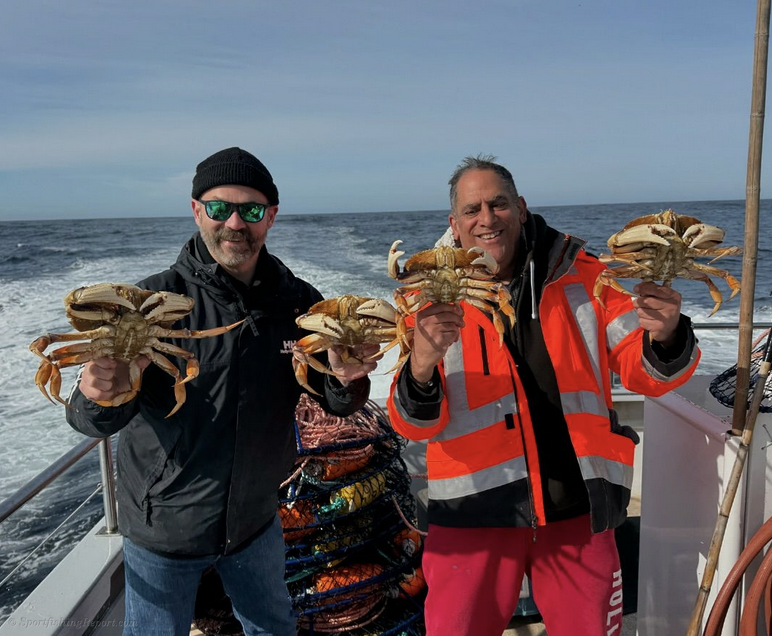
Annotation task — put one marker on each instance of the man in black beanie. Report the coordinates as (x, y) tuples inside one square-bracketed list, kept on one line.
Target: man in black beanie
[(199, 488)]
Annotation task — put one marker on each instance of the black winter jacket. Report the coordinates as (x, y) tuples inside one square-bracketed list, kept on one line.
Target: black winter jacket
[(205, 480)]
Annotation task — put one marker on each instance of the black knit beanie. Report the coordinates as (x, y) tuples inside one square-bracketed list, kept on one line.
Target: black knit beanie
[(234, 166)]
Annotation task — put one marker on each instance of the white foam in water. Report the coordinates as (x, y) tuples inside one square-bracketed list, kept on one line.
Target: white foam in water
[(33, 432), (331, 281)]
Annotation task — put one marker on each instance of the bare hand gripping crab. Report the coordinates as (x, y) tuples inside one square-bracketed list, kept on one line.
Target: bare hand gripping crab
[(449, 275), (347, 320), (122, 322), (663, 247)]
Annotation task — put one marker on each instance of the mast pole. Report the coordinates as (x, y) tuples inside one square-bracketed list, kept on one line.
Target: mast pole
[(752, 196), (743, 419)]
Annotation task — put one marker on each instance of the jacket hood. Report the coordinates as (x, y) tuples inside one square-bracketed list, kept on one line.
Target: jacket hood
[(544, 244)]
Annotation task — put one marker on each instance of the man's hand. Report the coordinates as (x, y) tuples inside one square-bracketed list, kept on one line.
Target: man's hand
[(659, 311), (436, 328), (357, 365), (104, 378)]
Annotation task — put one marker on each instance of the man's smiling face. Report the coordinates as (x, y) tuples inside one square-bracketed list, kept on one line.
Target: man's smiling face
[(489, 215)]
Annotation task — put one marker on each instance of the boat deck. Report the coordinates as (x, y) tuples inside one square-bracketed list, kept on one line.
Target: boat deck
[(534, 627)]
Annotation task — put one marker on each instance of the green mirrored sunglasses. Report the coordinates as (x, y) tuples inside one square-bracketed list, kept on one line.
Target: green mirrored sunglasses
[(251, 212)]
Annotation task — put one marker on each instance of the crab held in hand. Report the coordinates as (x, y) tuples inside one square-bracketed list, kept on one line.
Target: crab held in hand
[(661, 247), (122, 322), (451, 275), (349, 321)]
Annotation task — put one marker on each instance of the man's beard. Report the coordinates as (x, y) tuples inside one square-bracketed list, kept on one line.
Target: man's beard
[(237, 253)]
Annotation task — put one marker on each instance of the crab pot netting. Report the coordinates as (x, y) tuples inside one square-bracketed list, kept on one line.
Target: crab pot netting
[(724, 386), (352, 554)]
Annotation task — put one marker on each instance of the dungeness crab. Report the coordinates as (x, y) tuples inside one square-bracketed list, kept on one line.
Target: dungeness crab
[(347, 320), (661, 247), (122, 322), (451, 275)]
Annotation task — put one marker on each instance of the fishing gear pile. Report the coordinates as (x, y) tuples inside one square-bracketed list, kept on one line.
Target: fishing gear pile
[(724, 385), (352, 551)]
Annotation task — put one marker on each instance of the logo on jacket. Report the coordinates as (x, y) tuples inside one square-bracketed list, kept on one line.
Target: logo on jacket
[(288, 344)]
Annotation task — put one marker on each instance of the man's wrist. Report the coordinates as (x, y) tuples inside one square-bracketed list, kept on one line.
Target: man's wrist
[(429, 384), (666, 342), (421, 376), (426, 382)]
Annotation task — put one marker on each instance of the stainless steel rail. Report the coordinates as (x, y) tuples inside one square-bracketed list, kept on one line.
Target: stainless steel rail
[(58, 468), (108, 486), (727, 325), (42, 479)]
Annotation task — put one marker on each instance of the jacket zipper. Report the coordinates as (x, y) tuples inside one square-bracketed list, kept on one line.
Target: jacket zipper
[(510, 424), (239, 300), (242, 308), (148, 511), (484, 351), (531, 504)]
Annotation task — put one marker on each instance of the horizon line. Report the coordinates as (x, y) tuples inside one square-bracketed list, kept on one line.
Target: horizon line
[(425, 211)]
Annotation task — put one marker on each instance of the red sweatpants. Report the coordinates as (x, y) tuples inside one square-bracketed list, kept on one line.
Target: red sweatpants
[(474, 576)]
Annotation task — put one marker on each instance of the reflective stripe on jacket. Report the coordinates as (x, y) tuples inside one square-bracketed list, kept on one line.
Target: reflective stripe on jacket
[(484, 438)]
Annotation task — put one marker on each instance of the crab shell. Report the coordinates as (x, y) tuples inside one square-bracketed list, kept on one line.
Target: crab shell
[(122, 322), (664, 246), (443, 257), (665, 228), (451, 257), (347, 320), (90, 307), (447, 274)]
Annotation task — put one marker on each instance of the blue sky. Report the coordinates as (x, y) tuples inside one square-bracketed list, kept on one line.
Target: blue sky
[(108, 105)]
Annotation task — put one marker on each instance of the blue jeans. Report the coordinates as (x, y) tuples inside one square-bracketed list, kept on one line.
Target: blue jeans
[(161, 590)]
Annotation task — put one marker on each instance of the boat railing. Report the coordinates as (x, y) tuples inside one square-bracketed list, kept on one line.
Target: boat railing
[(43, 479), (29, 490)]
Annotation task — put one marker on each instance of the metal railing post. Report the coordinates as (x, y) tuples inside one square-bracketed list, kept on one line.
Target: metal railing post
[(108, 486), (44, 478)]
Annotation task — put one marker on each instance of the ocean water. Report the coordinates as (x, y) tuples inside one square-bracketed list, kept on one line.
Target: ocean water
[(41, 261)]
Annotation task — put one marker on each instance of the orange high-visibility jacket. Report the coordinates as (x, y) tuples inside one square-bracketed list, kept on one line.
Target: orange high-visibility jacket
[(483, 438)]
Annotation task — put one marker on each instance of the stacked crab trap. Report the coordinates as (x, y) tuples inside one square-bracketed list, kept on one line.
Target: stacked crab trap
[(352, 555), (724, 385), (352, 549)]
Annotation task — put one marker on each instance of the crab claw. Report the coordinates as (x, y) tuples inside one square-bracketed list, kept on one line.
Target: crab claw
[(378, 308), (485, 259), (394, 259), (120, 295), (169, 305), (631, 239), (702, 235)]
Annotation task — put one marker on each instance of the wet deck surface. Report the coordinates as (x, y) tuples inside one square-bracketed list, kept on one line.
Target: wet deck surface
[(534, 627)]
